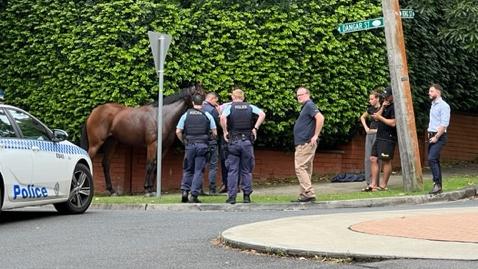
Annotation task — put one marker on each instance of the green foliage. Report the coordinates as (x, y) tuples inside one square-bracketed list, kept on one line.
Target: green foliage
[(434, 59), (460, 17), (60, 59)]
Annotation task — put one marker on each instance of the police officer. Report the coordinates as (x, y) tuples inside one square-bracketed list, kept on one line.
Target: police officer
[(193, 131), (211, 106), (240, 132)]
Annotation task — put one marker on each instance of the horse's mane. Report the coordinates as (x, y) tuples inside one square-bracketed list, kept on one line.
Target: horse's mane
[(175, 97), (182, 94)]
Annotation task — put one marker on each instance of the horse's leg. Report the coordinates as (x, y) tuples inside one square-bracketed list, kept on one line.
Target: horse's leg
[(150, 168), (108, 149)]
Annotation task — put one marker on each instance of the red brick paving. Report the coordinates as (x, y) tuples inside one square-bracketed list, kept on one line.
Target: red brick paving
[(458, 227)]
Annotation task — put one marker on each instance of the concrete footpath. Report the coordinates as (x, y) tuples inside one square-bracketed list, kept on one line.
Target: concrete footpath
[(422, 233)]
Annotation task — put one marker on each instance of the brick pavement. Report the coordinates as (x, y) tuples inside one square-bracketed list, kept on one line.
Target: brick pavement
[(452, 227)]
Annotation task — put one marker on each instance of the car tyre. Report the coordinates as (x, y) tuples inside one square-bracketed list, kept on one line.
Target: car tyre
[(81, 192)]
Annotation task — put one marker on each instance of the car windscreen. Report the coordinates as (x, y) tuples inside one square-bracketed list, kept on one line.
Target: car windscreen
[(6, 128), (30, 127)]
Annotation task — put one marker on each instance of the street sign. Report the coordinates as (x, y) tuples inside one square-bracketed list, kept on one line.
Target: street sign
[(407, 13), (159, 47), (159, 53), (360, 25), (371, 24)]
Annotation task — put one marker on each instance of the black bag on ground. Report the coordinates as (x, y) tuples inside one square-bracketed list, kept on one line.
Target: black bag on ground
[(348, 177)]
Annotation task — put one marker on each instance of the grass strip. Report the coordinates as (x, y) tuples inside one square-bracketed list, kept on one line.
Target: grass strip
[(450, 184)]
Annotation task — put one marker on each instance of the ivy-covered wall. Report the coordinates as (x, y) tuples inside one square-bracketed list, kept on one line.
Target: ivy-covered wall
[(59, 59)]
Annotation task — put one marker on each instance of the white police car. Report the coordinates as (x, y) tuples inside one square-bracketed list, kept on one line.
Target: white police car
[(38, 166)]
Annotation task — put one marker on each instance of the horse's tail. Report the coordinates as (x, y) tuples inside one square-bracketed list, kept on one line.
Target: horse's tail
[(84, 138)]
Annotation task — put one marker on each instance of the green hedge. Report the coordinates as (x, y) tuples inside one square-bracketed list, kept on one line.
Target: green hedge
[(432, 59), (59, 59)]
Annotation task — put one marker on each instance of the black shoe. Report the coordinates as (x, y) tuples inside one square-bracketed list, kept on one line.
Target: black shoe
[(436, 189), (231, 200), (184, 196), (202, 193), (247, 198), (304, 200), (194, 199)]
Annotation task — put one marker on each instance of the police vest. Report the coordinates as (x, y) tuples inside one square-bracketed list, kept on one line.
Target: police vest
[(196, 127), (240, 119)]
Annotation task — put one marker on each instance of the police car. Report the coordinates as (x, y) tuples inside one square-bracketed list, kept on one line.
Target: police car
[(38, 166)]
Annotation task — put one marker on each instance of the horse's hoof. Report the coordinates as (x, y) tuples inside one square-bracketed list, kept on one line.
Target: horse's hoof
[(111, 193), (150, 194)]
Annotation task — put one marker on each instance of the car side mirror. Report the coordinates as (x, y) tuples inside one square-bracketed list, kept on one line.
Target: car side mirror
[(59, 135)]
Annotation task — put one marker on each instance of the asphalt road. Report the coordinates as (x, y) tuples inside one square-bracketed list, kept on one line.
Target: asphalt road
[(40, 238)]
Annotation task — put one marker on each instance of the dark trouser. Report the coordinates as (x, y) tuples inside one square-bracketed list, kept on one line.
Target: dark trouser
[(223, 155), (212, 166), (434, 157), (369, 141), (193, 167), (241, 163)]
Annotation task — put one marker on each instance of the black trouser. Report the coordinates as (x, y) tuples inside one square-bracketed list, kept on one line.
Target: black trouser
[(434, 150), (222, 145)]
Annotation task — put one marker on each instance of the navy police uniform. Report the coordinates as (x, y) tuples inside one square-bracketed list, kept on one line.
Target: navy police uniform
[(196, 126), (240, 158)]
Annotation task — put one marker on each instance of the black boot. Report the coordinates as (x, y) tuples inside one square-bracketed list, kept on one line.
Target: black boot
[(436, 189), (231, 200), (247, 198), (194, 199), (184, 196)]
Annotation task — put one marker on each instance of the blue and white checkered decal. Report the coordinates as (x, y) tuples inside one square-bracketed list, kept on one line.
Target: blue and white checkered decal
[(43, 145)]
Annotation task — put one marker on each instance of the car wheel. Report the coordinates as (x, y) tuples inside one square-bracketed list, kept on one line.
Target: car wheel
[(81, 192)]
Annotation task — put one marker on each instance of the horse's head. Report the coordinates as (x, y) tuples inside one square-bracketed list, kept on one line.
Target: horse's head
[(195, 89), (185, 94)]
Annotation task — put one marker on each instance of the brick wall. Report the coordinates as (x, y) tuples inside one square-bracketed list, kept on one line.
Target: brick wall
[(129, 165), (462, 138)]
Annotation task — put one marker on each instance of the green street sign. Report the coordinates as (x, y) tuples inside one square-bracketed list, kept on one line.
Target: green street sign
[(371, 24), (407, 13), (360, 25)]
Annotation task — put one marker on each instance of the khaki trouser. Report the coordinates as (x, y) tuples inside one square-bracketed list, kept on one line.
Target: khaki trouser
[(303, 160)]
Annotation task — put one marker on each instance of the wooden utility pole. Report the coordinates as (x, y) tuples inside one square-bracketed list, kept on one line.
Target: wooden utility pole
[(406, 129)]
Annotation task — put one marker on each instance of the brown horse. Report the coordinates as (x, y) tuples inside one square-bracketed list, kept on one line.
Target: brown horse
[(111, 123)]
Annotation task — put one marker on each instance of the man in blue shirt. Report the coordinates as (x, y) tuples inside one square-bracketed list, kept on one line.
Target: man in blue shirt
[(437, 136), (306, 138), (193, 131), (240, 132)]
